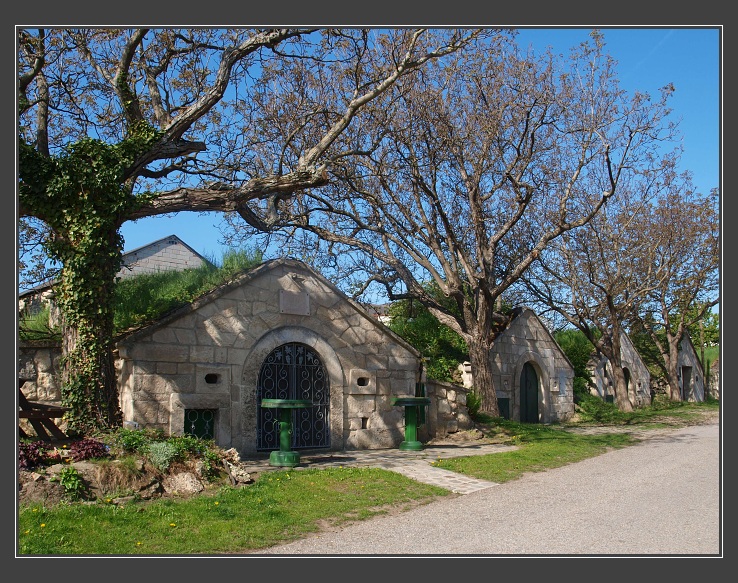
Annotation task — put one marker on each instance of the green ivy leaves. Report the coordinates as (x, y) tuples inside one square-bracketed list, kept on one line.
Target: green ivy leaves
[(83, 196)]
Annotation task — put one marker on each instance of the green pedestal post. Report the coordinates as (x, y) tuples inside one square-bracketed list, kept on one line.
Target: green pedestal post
[(411, 405), (285, 457)]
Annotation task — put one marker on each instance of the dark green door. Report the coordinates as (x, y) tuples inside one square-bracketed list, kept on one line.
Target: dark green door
[(528, 394)]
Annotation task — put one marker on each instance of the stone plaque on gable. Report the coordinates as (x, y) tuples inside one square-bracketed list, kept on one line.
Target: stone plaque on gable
[(297, 303)]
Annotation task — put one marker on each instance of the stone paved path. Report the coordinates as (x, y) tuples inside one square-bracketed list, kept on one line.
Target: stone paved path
[(413, 464)]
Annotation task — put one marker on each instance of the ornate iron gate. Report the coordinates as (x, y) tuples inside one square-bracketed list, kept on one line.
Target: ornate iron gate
[(294, 371)]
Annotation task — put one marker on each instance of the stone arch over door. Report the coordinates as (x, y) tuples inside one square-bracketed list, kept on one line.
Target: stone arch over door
[(538, 364), (246, 411)]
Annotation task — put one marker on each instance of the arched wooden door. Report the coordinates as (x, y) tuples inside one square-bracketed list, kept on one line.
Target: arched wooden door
[(528, 394), (294, 371)]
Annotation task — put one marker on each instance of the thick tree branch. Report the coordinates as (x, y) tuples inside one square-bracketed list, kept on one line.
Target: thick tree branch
[(227, 199)]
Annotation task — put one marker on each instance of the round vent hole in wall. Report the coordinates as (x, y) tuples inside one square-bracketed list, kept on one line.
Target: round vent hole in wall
[(362, 381), (212, 378)]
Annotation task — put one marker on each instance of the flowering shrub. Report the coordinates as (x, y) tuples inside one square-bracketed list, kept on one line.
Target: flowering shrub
[(32, 455), (87, 448)]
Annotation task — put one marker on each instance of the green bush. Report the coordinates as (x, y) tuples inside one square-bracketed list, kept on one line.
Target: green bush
[(36, 327), (473, 403), (442, 348), (594, 409), (162, 454), (189, 445), (133, 440), (578, 350), (581, 389), (72, 482), (211, 467)]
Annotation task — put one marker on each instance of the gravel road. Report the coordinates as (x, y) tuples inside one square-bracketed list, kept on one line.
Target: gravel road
[(659, 497)]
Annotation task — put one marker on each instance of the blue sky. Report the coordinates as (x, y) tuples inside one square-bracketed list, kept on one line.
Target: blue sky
[(648, 58)]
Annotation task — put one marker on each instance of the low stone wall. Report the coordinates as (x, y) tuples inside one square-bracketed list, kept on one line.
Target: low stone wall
[(447, 412), (39, 365)]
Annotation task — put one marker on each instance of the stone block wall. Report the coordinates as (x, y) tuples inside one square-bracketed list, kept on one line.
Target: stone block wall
[(39, 367), (447, 413)]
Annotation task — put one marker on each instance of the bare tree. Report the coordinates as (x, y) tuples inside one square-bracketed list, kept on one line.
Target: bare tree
[(646, 258), (34, 268), (684, 237), (119, 124), (463, 175), (594, 278)]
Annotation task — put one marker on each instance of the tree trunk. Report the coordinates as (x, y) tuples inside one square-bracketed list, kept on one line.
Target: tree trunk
[(85, 295), (702, 343), (622, 394), (481, 365), (611, 349), (89, 382), (675, 393)]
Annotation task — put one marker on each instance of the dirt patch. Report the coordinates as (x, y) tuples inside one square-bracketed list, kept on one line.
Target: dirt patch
[(33, 488), (113, 481), (654, 426), (658, 425)]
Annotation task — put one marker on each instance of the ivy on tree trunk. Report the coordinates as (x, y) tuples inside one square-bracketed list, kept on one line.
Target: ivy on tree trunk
[(84, 199)]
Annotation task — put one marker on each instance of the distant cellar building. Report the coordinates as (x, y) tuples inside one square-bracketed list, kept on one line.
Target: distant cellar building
[(637, 376), (533, 378)]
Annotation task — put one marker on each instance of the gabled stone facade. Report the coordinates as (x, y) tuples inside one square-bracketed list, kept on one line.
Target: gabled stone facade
[(209, 356), (636, 374), (534, 380), (167, 254), (689, 371)]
